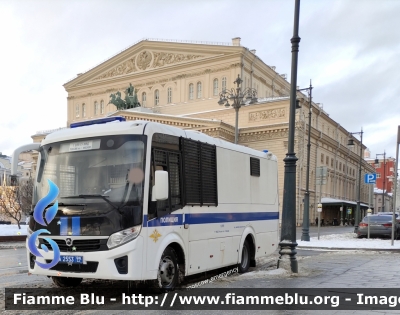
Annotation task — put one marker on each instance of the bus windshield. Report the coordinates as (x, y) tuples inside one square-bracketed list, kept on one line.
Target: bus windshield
[(106, 171)]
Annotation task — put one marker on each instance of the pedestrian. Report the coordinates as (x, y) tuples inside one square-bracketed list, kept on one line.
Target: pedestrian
[(316, 221)]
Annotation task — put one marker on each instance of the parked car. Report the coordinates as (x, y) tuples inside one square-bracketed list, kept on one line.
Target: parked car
[(379, 225), (396, 214)]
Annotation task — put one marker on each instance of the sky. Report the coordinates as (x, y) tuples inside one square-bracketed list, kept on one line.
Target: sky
[(350, 49)]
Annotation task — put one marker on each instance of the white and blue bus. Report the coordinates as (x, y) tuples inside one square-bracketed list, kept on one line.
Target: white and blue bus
[(140, 200)]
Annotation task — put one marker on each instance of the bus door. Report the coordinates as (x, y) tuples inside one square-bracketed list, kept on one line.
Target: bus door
[(165, 216)]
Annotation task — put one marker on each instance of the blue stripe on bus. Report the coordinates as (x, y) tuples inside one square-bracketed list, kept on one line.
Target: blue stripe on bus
[(167, 220), (63, 225), (76, 225), (204, 218)]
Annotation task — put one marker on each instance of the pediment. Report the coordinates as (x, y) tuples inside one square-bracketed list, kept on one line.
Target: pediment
[(147, 59), (147, 56)]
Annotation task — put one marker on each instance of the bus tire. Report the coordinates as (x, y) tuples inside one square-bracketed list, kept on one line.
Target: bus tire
[(245, 262), (168, 271), (63, 282)]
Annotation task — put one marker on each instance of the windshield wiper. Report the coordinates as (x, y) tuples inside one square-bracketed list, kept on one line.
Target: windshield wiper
[(95, 196)]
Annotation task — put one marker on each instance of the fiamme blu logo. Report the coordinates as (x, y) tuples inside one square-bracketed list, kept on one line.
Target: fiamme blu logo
[(49, 216)]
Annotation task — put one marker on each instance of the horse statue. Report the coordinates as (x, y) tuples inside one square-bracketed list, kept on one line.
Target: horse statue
[(130, 101), (131, 98), (117, 101)]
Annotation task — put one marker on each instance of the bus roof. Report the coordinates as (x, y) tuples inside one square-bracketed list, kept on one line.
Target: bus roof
[(147, 128)]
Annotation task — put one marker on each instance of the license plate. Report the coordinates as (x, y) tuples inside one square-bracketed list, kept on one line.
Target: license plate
[(71, 260)]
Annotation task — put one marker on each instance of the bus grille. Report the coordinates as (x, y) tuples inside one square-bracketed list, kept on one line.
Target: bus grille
[(78, 245)]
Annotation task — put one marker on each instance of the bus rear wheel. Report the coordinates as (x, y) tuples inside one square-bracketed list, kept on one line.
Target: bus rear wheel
[(245, 262), (63, 282), (168, 271)]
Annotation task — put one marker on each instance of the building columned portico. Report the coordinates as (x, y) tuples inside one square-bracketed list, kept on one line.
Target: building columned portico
[(179, 84)]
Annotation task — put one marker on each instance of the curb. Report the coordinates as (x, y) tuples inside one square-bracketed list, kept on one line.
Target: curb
[(13, 238), (353, 249)]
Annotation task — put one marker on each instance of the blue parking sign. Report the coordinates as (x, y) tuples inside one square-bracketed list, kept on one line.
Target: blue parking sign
[(370, 178)]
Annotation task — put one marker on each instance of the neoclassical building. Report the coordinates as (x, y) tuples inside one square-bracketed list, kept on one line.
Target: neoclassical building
[(178, 83)]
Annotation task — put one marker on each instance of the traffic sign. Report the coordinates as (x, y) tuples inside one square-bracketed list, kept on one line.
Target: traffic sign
[(370, 178)]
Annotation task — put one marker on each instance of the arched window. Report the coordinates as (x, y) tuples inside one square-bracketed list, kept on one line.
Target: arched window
[(156, 97), (198, 89), (223, 83), (101, 107), (96, 108), (77, 110), (191, 91), (169, 95), (215, 86), (83, 110), (144, 98)]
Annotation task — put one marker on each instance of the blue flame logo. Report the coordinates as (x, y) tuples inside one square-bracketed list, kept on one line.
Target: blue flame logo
[(49, 215)]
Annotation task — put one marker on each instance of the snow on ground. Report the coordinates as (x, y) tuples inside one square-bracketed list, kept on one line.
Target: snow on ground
[(12, 229), (349, 240)]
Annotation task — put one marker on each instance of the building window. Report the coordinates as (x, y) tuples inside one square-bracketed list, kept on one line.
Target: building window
[(198, 89), (378, 175), (340, 166), (77, 110), (83, 110), (322, 158), (101, 107), (169, 95), (331, 162), (223, 83), (156, 97), (144, 97), (215, 86), (96, 108), (327, 160), (191, 90)]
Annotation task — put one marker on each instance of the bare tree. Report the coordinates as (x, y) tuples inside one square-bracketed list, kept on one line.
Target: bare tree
[(10, 204), (16, 200), (26, 193)]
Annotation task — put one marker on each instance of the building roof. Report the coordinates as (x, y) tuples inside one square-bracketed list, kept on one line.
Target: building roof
[(333, 201)]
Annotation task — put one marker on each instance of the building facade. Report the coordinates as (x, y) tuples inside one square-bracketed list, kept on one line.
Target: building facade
[(385, 175), (179, 84)]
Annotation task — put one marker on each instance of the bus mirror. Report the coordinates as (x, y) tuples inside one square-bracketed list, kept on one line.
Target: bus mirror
[(161, 185)]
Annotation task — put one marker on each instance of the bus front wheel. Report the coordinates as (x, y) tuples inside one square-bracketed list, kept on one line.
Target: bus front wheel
[(168, 271), (245, 262), (63, 282)]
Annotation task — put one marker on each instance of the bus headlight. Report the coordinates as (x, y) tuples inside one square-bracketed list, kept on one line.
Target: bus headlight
[(123, 236)]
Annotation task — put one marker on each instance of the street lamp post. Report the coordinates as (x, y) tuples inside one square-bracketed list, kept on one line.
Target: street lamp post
[(357, 214), (237, 98), (305, 236), (384, 177), (288, 242), (395, 182)]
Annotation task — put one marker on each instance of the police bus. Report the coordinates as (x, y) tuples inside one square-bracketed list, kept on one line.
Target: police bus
[(139, 200)]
